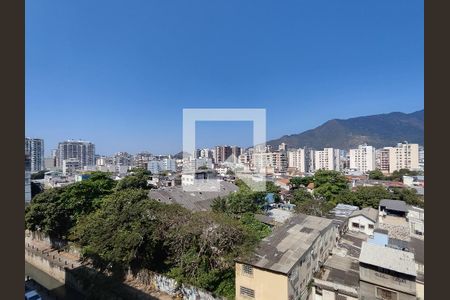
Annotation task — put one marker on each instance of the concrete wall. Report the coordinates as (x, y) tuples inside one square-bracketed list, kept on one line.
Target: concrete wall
[(144, 280), (369, 279), (267, 285), (363, 221), (367, 292), (37, 259)]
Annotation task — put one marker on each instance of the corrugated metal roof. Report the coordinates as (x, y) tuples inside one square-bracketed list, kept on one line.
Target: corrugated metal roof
[(388, 258)]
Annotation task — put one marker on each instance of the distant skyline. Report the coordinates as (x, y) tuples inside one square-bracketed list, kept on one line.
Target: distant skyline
[(119, 73)]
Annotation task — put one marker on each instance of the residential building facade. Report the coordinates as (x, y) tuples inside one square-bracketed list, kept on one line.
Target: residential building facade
[(327, 159), (35, 149), (386, 273), (363, 158), (285, 261), (83, 151)]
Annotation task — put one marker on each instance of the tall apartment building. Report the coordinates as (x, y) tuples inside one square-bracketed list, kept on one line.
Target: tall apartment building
[(403, 156), (27, 176), (35, 149), (382, 160), (327, 159), (83, 151), (422, 158), (363, 158), (206, 153), (140, 160), (235, 152), (284, 263), (270, 161), (123, 159), (222, 153), (297, 159)]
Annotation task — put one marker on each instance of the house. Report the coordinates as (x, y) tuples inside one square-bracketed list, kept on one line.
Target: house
[(283, 264), (283, 183), (396, 208), (363, 220), (386, 273)]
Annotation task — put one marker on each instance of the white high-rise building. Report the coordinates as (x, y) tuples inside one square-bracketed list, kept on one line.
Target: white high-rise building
[(297, 159), (403, 156), (327, 159), (165, 164), (363, 158), (83, 151), (35, 149)]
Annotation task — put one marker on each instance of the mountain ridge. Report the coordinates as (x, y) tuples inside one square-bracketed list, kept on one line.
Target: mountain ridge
[(377, 130)]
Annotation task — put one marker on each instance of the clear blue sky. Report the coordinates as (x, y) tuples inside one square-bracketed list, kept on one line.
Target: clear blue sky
[(119, 73)]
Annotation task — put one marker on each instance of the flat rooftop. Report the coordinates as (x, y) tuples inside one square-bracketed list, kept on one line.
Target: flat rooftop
[(195, 201), (343, 270), (388, 258), (287, 244)]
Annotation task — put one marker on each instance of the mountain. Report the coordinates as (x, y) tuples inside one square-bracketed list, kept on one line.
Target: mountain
[(376, 130)]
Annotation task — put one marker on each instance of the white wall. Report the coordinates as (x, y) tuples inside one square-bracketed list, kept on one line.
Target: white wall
[(363, 221)]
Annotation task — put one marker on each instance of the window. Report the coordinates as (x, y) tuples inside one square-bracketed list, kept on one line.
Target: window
[(385, 294), (354, 224), (247, 292), (370, 226), (319, 291), (247, 270)]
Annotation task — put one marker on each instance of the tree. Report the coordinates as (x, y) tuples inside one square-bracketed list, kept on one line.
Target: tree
[(120, 232), (56, 210), (328, 184), (397, 175), (258, 229), (137, 180), (363, 196), (376, 175), (408, 195), (370, 196), (301, 195), (314, 207), (297, 182)]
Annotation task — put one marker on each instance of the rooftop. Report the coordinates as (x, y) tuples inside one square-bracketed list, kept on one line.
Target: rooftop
[(287, 244), (343, 210), (396, 205), (368, 212), (195, 201), (388, 258), (341, 270)]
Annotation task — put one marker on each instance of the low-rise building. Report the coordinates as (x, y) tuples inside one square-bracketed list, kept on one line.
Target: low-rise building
[(386, 273), (363, 220), (283, 264), (390, 207), (416, 220)]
